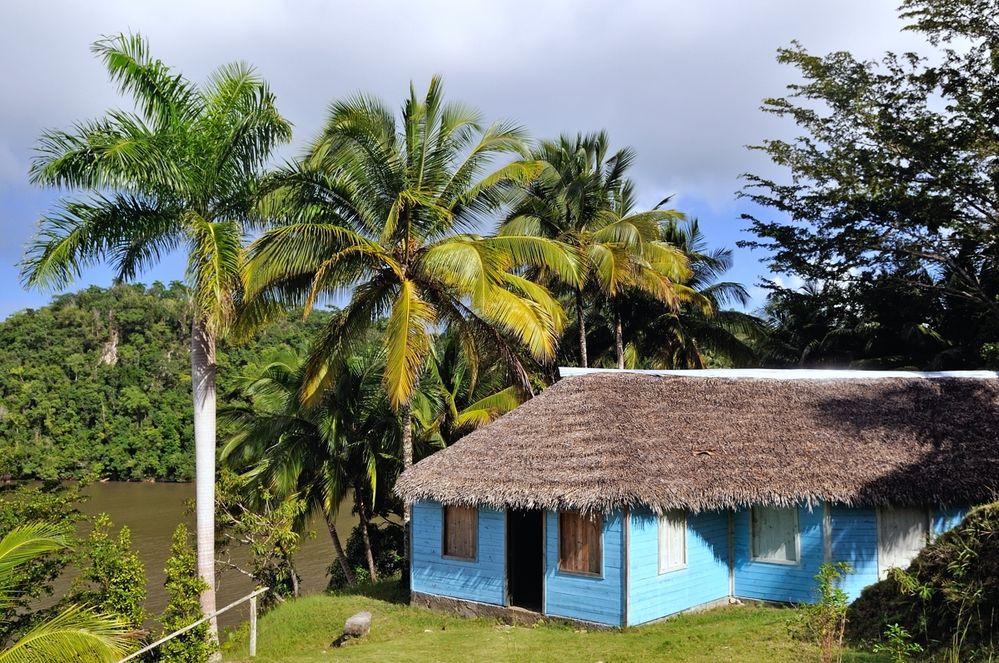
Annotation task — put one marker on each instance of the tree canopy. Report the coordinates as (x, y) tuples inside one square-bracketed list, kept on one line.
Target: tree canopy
[(895, 171)]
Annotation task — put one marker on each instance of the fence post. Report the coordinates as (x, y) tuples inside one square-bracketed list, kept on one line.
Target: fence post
[(252, 598), (253, 627)]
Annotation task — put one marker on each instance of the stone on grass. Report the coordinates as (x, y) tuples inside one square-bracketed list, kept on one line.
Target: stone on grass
[(355, 627), (358, 625)]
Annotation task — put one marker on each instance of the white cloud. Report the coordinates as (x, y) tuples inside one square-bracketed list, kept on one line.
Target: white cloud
[(680, 81)]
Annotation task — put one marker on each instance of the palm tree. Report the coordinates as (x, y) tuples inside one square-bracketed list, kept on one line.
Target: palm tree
[(179, 172), (349, 441), (668, 337), (288, 448), (388, 211), (454, 399), (74, 633), (583, 199), (630, 255)]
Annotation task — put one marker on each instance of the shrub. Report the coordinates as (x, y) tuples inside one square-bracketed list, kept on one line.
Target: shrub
[(112, 579), (184, 587), (257, 536), (948, 598), (824, 622), (898, 644), (386, 543)]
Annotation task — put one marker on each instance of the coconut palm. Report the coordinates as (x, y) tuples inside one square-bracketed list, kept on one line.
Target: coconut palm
[(349, 441), (679, 337), (583, 199), (178, 173), (454, 400), (74, 634), (388, 211), (630, 256), (287, 448)]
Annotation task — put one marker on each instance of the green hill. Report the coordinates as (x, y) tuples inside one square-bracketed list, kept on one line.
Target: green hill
[(97, 383)]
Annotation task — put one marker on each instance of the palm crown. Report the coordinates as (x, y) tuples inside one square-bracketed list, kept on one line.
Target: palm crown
[(179, 172), (390, 212), (583, 199), (74, 633)]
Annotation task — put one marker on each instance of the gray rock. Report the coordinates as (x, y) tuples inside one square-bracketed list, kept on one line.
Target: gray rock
[(357, 625)]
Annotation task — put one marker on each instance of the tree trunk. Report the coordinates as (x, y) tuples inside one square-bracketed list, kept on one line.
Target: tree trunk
[(341, 556), (407, 461), (203, 388), (618, 334), (581, 318), (362, 509)]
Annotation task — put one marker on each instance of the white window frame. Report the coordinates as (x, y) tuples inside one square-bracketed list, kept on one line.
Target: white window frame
[(797, 539), (666, 521)]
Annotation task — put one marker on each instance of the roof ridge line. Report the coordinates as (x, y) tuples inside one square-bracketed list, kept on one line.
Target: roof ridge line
[(787, 373)]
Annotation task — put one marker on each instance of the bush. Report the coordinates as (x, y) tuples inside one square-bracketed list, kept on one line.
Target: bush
[(257, 536), (898, 644), (948, 598), (184, 587), (112, 578), (386, 543), (824, 622)]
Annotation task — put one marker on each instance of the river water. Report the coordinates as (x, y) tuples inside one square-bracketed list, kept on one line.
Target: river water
[(153, 510)]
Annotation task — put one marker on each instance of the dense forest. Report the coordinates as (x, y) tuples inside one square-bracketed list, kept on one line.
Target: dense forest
[(97, 384)]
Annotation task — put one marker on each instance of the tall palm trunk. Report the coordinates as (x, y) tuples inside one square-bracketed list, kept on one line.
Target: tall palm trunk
[(203, 387), (365, 516), (407, 461), (341, 556), (618, 333), (581, 318)]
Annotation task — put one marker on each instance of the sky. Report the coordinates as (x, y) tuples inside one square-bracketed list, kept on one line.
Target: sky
[(681, 82)]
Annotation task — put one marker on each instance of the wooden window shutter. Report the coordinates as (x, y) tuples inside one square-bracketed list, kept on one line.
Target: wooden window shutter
[(580, 542), (460, 525)]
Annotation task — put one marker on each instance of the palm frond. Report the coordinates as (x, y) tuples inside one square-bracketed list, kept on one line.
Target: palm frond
[(407, 342), (73, 634)]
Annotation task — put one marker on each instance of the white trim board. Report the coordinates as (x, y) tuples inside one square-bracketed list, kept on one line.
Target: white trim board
[(789, 373)]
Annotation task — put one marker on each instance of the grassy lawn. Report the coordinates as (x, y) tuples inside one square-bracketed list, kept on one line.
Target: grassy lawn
[(302, 631)]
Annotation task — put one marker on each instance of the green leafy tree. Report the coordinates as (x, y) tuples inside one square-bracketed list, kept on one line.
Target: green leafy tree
[(893, 174), (112, 578), (184, 586), (74, 633), (180, 171), (258, 535)]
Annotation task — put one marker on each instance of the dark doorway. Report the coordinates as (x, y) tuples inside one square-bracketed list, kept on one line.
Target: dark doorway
[(525, 566)]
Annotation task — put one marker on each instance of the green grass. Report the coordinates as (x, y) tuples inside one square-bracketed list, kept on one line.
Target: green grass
[(302, 630)]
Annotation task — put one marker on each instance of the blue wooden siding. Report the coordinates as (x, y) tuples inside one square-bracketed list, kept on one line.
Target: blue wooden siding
[(596, 599), (855, 541), (769, 581), (482, 580), (652, 594)]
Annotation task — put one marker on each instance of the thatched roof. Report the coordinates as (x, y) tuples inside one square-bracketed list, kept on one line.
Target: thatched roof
[(609, 439)]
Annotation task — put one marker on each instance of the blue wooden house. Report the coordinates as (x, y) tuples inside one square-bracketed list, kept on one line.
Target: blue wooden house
[(620, 497)]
